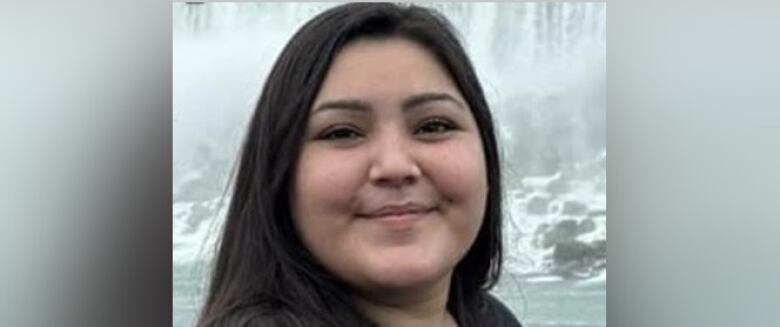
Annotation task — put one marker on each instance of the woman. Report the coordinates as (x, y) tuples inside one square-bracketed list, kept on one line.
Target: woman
[(368, 191)]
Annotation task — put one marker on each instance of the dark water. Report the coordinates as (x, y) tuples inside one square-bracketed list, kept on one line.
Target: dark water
[(561, 303), (187, 289)]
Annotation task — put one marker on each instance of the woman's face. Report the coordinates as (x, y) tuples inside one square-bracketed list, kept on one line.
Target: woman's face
[(390, 187)]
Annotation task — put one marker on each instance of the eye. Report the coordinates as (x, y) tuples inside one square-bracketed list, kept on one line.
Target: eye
[(339, 133), (435, 126)]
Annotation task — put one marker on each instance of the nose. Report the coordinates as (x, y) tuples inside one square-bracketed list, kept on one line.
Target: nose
[(393, 165)]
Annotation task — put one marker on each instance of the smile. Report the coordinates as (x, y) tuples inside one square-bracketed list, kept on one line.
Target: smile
[(398, 210), (399, 216)]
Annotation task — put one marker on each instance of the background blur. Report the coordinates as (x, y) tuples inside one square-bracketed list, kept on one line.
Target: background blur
[(543, 67), (86, 153)]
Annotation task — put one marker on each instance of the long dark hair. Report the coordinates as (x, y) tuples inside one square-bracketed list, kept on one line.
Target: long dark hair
[(263, 275)]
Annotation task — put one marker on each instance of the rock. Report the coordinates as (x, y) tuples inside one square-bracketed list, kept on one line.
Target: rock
[(200, 212), (558, 186), (577, 259), (539, 233), (600, 248), (197, 190), (572, 251), (574, 208), (563, 231), (537, 205), (539, 183), (593, 213), (586, 226), (541, 228)]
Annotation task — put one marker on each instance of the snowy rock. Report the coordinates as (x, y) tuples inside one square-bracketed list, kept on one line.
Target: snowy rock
[(576, 259), (574, 208), (572, 251), (538, 204), (564, 231), (558, 186), (586, 226), (539, 183)]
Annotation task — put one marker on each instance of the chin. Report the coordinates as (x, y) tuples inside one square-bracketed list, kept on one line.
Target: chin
[(405, 275)]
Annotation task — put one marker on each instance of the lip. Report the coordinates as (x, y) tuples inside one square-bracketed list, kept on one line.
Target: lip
[(399, 211), (399, 218)]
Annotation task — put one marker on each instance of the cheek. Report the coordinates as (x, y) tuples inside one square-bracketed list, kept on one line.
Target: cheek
[(459, 172), (325, 185)]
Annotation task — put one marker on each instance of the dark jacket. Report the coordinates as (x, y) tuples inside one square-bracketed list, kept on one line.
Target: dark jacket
[(499, 315)]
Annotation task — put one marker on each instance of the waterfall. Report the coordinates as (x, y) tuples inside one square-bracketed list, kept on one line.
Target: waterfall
[(543, 69)]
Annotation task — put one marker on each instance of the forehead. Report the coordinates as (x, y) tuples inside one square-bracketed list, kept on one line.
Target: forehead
[(378, 70)]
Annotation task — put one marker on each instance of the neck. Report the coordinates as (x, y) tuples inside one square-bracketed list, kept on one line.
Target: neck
[(425, 306)]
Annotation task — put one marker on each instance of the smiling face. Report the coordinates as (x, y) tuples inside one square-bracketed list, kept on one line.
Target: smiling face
[(390, 187)]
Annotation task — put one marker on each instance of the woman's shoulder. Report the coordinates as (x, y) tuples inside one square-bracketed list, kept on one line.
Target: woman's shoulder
[(499, 314)]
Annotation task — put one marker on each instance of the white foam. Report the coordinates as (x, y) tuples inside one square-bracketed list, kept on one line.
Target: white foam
[(544, 279), (195, 243)]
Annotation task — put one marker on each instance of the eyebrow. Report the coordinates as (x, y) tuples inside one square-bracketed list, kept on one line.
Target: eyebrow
[(412, 102)]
